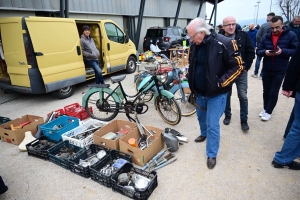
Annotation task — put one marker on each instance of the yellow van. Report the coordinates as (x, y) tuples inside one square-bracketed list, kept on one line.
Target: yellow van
[(41, 55)]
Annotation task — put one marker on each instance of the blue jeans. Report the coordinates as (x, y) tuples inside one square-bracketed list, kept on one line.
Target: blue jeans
[(271, 86), (257, 64), (291, 146), (242, 86), (96, 67), (209, 121)]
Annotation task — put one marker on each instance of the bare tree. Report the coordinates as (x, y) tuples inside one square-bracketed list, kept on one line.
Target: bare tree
[(289, 8)]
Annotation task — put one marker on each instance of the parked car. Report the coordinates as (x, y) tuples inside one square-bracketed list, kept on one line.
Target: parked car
[(168, 37)]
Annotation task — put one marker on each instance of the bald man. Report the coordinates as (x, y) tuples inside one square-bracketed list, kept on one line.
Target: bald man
[(252, 33), (247, 53)]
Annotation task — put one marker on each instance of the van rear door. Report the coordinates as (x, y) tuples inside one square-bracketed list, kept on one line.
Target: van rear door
[(56, 45)]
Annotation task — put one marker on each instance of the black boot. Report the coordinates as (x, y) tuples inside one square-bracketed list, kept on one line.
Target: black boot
[(3, 187), (226, 120), (244, 125)]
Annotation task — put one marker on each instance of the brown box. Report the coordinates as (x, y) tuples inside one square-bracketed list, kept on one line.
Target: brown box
[(141, 157), (114, 126), (17, 136)]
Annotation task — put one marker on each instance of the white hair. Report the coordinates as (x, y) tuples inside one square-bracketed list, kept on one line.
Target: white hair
[(199, 24)]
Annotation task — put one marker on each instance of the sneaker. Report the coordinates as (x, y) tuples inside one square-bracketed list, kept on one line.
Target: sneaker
[(293, 165), (226, 120), (262, 113), (254, 76), (266, 117), (260, 78)]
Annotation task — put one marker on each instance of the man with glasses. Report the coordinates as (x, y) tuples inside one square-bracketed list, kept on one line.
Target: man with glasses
[(247, 52), (215, 63), (277, 46)]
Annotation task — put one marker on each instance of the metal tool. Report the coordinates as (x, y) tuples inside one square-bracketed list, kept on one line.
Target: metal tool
[(156, 157), (165, 159), (164, 164)]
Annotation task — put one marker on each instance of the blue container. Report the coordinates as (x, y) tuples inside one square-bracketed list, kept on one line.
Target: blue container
[(54, 129)]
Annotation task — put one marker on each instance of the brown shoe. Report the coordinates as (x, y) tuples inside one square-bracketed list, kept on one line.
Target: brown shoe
[(211, 162), (200, 139)]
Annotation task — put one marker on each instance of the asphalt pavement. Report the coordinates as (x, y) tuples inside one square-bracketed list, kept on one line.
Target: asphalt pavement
[(243, 169)]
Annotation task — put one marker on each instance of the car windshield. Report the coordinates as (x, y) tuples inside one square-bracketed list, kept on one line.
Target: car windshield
[(156, 32)]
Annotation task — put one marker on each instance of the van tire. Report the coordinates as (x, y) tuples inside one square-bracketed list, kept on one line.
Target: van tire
[(64, 93), (131, 65)]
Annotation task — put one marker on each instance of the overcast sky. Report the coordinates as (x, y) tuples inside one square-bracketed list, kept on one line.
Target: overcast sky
[(243, 9)]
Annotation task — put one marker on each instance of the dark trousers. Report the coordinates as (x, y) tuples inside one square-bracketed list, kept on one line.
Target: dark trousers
[(271, 86), (289, 124)]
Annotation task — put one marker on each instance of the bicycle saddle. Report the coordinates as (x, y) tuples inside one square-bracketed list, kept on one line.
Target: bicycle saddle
[(99, 85), (116, 79)]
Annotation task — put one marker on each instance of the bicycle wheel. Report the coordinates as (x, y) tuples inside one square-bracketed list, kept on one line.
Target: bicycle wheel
[(168, 110), (186, 108), (147, 96), (106, 111)]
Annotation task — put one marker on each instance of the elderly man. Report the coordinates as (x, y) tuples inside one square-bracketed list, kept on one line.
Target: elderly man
[(261, 32), (277, 46), (295, 26), (252, 33), (91, 53), (247, 52), (214, 65)]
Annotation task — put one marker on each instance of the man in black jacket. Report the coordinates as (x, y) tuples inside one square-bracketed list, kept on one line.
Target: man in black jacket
[(214, 64), (291, 146), (247, 52)]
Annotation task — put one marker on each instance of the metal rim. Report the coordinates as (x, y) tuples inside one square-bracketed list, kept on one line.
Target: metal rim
[(131, 64), (65, 90)]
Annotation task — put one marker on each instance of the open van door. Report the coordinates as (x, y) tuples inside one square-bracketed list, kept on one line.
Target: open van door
[(56, 45)]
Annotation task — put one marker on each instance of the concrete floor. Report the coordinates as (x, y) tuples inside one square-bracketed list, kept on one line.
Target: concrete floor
[(243, 169)]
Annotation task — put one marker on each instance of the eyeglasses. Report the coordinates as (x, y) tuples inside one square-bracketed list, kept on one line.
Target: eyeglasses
[(192, 37), (228, 25)]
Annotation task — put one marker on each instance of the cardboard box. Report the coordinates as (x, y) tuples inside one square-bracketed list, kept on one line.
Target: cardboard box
[(17, 136), (114, 126), (141, 157)]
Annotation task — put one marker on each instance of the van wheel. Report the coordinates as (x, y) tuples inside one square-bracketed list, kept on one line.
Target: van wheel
[(64, 93), (131, 65)]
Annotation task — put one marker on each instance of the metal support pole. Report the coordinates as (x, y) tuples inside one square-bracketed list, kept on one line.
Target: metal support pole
[(139, 25), (177, 12), (66, 8), (271, 6), (212, 12), (216, 6), (257, 11), (199, 11), (61, 8)]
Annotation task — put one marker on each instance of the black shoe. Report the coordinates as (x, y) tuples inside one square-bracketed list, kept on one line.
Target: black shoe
[(226, 120), (293, 165), (211, 162), (244, 125), (200, 139)]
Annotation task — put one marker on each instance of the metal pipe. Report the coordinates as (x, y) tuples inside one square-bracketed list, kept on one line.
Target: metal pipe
[(199, 11), (177, 12), (61, 8), (257, 11), (212, 12), (270, 5), (139, 25), (66, 8), (215, 21)]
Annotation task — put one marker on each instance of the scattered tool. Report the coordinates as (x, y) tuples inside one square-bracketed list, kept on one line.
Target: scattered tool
[(13, 128), (164, 164), (165, 159), (152, 162)]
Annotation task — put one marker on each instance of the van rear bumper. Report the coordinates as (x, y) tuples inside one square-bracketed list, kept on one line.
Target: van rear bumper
[(7, 86)]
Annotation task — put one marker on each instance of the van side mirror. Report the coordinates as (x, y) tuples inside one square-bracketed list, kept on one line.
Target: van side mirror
[(126, 38), (183, 34)]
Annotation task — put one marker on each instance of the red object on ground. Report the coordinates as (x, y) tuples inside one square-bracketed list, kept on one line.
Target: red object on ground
[(75, 110)]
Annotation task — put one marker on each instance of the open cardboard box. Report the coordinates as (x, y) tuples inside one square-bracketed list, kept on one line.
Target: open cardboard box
[(114, 126), (141, 157), (17, 136)]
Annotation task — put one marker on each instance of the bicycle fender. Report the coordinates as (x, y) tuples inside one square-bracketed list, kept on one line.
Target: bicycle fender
[(166, 93), (176, 87), (94, 89)]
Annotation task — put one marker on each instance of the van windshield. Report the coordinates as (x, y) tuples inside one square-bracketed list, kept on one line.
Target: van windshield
[(156, 32)]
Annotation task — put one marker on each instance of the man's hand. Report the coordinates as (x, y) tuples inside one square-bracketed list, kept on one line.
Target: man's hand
[(268, 53), (287, 93), (278, 52)]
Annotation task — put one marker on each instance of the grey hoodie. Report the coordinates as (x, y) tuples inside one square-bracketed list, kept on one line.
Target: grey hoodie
[(89, 49), (262, 30)]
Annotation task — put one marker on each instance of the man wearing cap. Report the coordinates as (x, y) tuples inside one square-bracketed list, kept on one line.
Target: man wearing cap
[(91, 54)]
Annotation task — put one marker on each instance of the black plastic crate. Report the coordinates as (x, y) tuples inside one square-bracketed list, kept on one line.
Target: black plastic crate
[(104, 179), (3, 120), (56, 149), (38, 150), (137, 194), (93, 149)]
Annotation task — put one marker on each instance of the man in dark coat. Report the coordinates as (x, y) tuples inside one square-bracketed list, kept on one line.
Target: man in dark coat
[(291, 146), (295, 26), (215, 63), (247, 52), (277, 46)]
